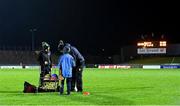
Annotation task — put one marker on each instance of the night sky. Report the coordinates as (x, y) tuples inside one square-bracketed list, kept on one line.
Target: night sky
[(90, 25)]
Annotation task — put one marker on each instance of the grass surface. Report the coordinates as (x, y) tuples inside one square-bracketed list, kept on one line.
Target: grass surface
[(106, 87)]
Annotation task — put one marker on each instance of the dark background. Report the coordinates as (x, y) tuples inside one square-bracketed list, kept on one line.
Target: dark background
[(91, 25)]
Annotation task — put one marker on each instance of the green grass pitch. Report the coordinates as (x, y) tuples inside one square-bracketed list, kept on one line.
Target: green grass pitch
[(106, 87)]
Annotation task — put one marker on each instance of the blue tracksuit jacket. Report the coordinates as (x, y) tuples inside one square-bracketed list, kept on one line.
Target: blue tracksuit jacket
[(66, 63)]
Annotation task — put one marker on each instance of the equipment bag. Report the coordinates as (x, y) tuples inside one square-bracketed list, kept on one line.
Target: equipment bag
[(29, 88)]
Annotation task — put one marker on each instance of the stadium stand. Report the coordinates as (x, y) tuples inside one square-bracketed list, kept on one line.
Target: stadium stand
[(17, 57)]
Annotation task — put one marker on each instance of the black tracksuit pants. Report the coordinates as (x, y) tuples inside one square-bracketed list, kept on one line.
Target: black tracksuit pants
[(77, 79), (68, 83)]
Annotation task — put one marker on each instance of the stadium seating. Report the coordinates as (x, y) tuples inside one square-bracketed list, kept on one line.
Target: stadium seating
[(17, 57), (14, 57)]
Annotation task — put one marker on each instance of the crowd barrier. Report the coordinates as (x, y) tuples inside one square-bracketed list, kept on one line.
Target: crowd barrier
[(18, 67), (102, 66), (170, 66), (114, 66), (140, 66)]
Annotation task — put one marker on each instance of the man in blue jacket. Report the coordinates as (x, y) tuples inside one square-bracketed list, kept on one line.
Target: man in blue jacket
[(66, 64)]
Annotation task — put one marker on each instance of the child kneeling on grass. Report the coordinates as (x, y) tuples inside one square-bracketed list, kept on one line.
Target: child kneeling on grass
[(66, 63)]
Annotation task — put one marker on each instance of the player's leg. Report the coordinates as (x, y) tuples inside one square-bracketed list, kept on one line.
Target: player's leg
[(62, 86), (68, 83), (73, 81), (42, 74), (79, 80)]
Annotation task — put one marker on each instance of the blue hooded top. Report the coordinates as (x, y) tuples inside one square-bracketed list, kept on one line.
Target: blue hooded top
[(66, 63)]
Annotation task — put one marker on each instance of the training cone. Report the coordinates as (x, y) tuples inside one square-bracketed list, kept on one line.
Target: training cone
[(86, 93)]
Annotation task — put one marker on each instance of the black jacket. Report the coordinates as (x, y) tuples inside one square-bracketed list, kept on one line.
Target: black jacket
[(45, 56)]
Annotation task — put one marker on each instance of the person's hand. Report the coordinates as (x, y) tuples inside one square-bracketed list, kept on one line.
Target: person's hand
[(61, 77), (80, 69), (45, 62)]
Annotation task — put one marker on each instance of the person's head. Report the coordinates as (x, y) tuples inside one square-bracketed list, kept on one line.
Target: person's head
[(60, 45), (45, 46), (66, 49), (61, 42), (67, 44)]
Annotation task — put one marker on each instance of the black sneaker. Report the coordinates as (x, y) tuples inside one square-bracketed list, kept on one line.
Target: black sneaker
[(68, 93), (72, 90), (61, 93), (79, 90)]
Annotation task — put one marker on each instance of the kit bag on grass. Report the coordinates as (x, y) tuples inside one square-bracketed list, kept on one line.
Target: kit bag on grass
[(29, 88)]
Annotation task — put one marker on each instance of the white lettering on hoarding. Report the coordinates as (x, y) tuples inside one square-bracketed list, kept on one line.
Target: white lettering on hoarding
[(151, 50)]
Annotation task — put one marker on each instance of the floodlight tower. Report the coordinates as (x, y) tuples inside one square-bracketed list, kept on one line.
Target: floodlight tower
[(32, 30)]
